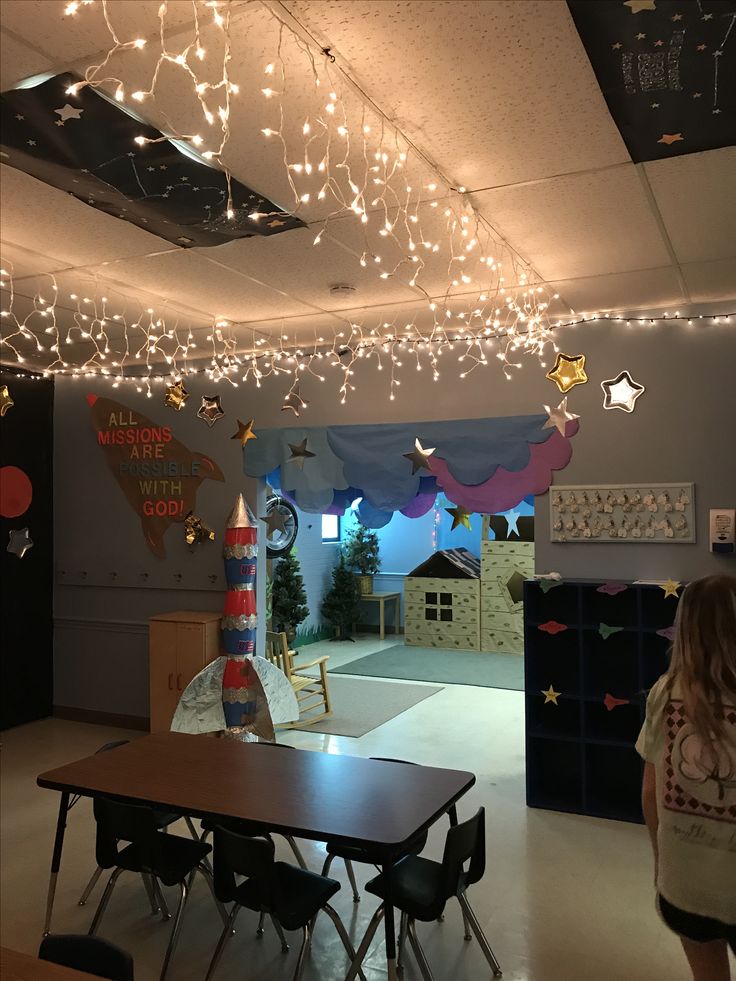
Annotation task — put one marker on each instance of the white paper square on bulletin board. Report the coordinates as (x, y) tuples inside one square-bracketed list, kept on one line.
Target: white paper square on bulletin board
[(622, 513)]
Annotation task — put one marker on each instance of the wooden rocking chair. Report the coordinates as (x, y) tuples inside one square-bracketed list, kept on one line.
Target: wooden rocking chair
[(311, 693)]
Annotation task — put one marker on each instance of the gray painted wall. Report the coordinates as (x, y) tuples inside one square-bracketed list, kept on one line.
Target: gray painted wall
[(682, 430)]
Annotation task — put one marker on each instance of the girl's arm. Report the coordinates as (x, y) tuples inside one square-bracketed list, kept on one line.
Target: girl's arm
[(649, 807)]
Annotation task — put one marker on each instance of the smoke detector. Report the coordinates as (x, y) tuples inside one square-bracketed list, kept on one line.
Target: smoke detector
[(342, 289)]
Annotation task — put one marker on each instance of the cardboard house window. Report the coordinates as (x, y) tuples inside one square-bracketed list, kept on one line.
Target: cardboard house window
[(438, 606)]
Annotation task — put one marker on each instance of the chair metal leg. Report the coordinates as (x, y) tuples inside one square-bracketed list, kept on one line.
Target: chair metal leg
[(418, 952), (297, 852), (479, 935), (402, 938), (210, 882), (224, 937), (190, 826), (343, 935), (326, 867), (165, 914), (365, 944), (90, 886), (280, 932), (151, 893), (261, 921), (351, 878), (467, 935), (301, 960), (104, 901), (175, 931)]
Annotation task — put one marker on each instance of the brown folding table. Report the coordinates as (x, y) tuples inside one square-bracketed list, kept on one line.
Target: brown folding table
[(366, 803)]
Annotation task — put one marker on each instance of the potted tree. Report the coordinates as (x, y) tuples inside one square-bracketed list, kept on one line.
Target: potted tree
[(288, 596), (362, 556), (341, 602)]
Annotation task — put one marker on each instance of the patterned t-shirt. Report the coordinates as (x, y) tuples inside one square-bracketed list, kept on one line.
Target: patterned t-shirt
[(696, 803)]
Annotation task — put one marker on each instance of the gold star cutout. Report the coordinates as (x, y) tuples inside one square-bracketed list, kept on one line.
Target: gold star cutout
[(299, 453), (640, 36), (5, 400), (636, 6), (697, 95), (670, 588), (702, 47), (677, 17), (669, 138), (68, 112), (275, 223), (245, 432), (275, 521), (419, 456), (617, 45), (559, 417), (569, 370), (551, 695), (176, 396), (459, 517)]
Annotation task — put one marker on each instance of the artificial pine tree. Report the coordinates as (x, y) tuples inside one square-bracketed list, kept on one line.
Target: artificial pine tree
[(340, 605), (289, 598), (362, 555)]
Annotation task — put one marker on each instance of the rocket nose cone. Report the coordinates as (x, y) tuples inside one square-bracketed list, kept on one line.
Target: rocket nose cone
[(91, 399)]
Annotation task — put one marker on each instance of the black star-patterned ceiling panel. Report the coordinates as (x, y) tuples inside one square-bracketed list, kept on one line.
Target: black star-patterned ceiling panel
[(667, 69), (85, 145)]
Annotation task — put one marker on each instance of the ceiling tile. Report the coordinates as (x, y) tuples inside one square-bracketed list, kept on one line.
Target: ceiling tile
[(710, 281), (622, 292)]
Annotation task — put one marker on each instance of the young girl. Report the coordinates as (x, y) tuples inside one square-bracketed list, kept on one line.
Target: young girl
[(689, 793)]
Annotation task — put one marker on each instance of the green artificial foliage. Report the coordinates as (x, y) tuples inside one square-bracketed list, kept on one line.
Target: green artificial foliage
[(362, 551), (288, 596), (340, 605)]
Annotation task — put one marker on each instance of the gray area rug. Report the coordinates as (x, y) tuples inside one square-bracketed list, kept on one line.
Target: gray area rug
[(447, 667), (359, 705)]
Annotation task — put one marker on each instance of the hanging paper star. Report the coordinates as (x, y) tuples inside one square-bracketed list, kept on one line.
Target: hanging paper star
[(636, 6), (300, 453), (275, 520), (245, 432), (569, 370), (196, 531), (68, 112), (6, 401), (669, 138), (512, 518), (552, 627), (210, 410), (551, 695), (176, 396), (670, 588), (559, 417), (621, 392), (605, 631), (19, 541), (460, 517), (611, 703), (419, 456)]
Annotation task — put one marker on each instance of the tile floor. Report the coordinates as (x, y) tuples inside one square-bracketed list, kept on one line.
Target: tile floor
[(565, 898)]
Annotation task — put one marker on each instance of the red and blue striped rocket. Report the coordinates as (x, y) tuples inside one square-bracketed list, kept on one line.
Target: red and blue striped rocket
[(239, 618)]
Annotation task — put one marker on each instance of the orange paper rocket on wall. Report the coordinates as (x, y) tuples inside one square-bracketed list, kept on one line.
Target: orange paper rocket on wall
[(158, 475)]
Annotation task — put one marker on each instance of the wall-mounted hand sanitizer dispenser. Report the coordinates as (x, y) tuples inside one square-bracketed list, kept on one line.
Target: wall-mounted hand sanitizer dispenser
[(723, 531)]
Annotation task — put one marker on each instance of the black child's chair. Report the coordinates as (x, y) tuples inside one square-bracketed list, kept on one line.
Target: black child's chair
[(164, 858), (91, 955), (291, 896), (420, 889)]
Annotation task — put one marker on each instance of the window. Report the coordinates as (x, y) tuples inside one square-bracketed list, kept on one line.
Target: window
[(438, 606), (331, 528)]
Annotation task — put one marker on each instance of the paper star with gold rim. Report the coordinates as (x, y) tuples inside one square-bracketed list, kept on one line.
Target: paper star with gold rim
[(459, 517), (621, 392), (670, 588), (176, 396), (19, 541), (551, 695), (569, 371), (419, 457), (669, 138), (245, 432), (636, 6), (300, 453), (6, 401), (559, 417)]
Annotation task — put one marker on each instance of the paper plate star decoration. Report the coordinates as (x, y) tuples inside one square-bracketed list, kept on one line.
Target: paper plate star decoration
[(569, 370), (670, 588), (196, 531), (611, 702), (551, 695), (459, 517), (512, 522), (176, 396), (606, 631), (419, 456), (210, 410), (274, 521), (559, 416), (245, 432), (6, 401), (621, 392), (19, 541), (300, 453)]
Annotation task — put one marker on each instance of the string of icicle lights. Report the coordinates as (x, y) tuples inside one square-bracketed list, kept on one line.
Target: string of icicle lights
[(91, 335), (342, 158)]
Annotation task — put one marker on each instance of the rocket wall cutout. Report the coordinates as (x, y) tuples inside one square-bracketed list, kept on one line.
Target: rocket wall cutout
[(158, 475)]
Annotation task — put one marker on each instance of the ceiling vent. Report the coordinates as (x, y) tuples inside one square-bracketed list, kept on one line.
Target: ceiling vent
[(342, 289)]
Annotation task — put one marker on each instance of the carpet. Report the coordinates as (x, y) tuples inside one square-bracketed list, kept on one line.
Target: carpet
[(359, 706), (447, 667)]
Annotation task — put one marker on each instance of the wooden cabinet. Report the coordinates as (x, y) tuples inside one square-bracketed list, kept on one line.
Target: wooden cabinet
[(179, 646)]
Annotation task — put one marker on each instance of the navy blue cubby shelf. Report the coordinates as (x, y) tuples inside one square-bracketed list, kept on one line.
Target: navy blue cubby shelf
[(580, 753)]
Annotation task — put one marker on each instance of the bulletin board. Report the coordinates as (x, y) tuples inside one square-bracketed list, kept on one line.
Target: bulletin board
[(621, 513)]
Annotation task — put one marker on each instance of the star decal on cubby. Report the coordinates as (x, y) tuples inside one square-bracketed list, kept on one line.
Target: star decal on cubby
[(551, 695), (670, 588)]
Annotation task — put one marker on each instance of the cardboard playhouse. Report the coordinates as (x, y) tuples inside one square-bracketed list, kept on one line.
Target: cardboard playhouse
[(454, 600)]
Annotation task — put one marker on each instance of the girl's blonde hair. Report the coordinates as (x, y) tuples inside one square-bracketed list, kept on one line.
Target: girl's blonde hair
[(704, 652)]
